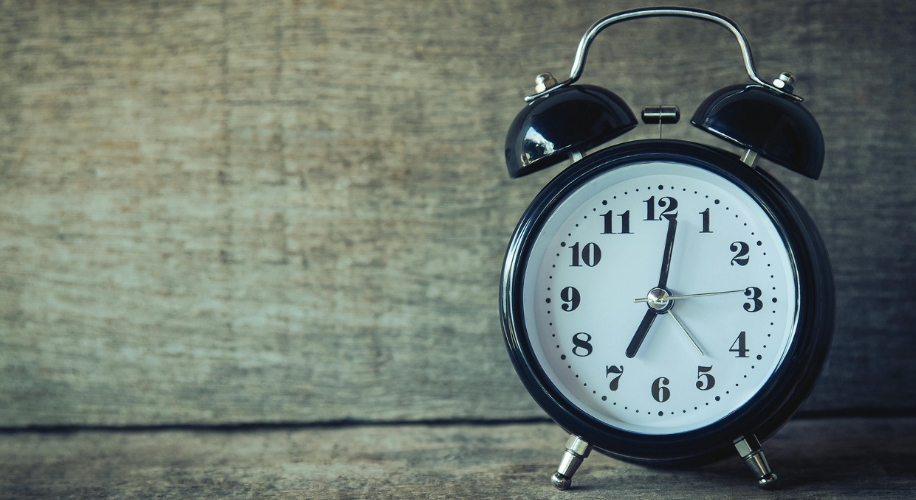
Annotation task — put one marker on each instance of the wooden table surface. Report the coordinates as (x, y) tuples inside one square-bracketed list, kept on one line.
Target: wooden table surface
[(821, 458)]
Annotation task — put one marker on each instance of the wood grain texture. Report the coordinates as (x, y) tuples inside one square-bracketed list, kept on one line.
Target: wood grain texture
[(819, 458), (230, 211)]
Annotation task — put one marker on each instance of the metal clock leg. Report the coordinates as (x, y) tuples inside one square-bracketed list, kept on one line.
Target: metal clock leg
[(576, 451), (749, 449)]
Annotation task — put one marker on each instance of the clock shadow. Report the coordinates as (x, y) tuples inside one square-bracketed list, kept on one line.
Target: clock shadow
[(835, 453), (817, 456)]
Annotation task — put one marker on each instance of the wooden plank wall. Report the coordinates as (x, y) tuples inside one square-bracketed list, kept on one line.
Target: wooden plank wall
[(219, 212)]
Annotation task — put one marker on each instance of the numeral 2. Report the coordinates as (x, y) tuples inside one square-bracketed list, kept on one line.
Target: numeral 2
[(741, 258)]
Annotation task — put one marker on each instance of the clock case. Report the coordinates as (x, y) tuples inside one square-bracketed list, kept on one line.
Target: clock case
[(789, 385)]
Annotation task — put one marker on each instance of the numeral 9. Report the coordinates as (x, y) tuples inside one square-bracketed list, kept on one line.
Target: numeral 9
[(571, 298)]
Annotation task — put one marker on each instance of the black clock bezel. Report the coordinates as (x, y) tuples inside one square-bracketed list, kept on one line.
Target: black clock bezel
[(789, 385)]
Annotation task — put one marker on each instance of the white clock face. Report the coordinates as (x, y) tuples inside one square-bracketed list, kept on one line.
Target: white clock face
[(659, 366)]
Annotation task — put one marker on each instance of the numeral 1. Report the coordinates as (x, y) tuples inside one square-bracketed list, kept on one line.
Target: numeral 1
[(705, 214)]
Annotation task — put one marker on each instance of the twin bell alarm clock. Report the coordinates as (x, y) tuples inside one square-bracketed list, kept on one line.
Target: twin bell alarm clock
[(666, 302)]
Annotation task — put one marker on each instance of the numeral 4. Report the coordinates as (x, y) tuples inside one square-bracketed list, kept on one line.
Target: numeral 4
[(740, 346)]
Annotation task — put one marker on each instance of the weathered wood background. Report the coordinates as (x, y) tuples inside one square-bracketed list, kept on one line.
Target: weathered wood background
[(252, 212)]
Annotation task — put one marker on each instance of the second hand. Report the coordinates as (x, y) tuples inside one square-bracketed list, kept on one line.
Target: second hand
[(691, 295)]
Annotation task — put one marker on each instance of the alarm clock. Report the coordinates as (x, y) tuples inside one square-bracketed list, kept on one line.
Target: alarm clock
[(666, 302)]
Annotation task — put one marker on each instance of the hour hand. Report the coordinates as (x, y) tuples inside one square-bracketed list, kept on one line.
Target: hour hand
[(641, 332)]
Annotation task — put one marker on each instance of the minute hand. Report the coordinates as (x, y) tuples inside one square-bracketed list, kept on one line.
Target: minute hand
[(691, 295), (669, 249)]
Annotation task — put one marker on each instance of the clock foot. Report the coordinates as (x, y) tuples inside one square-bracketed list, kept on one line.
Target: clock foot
[(750, 450), (576, 451)]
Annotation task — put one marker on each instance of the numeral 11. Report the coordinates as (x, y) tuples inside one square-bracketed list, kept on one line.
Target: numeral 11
[(609, 222)]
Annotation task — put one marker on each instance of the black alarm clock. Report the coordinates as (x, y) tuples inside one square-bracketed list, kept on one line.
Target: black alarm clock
[(666, 302)]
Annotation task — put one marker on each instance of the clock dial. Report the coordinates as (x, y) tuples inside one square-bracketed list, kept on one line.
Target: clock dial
[(659, 297)]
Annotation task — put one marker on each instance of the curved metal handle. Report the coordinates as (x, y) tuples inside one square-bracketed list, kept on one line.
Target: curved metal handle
[(586, 42)]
